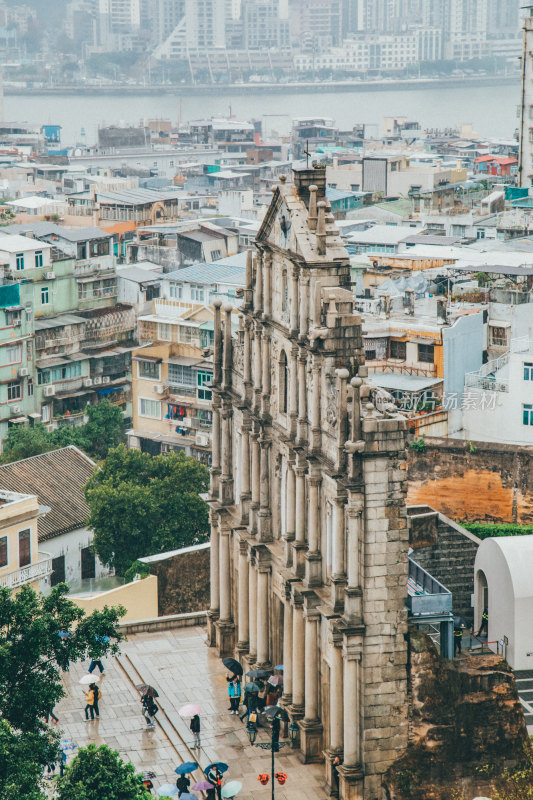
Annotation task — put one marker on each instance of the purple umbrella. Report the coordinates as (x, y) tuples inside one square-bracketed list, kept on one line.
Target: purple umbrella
[(276, 680), (202, 786)]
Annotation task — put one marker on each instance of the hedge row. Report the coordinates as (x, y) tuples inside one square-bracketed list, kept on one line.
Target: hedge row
[(484, 531)]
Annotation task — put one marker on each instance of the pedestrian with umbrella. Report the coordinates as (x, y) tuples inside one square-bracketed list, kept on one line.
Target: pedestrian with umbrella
[(214, 774), (233, 666), (234, 692), (183, 784), (192, 711)]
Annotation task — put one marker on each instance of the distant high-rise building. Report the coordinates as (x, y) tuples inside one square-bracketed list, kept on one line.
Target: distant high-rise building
[(262, 25), (504, 17), (525, 166), (316, 22), (205, 23)]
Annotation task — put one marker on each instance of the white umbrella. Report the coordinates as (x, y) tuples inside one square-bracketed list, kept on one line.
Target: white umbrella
[(189, 710), (86, 679)]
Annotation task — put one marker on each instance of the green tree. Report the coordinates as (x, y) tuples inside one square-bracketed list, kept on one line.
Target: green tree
[(39, 638), (141, 505), (99, 772), (23, 442), (104, 429), (21, 760)]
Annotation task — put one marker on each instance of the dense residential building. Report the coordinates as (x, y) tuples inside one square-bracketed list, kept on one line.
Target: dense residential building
[(172, 400), (307, 476)]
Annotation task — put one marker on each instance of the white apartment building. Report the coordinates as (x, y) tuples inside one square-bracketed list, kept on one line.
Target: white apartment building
[(498, 398), (376, 52), (21, 253)]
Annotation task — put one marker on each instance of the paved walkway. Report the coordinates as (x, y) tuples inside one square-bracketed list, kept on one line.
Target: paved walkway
[(183, 669)]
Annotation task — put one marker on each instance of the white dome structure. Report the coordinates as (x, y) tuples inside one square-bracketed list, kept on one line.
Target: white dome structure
[(503, 583)]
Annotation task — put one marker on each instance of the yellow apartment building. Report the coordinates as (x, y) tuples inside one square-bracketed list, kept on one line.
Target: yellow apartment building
[(20, 559)]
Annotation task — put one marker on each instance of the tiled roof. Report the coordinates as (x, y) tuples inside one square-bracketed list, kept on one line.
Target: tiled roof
[(57, 478)]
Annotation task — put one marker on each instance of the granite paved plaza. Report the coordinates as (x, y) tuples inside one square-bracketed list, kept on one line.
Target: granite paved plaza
[(183, 669)]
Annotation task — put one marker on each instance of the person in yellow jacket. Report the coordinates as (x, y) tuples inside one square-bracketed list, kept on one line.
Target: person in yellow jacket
[(89, 700)]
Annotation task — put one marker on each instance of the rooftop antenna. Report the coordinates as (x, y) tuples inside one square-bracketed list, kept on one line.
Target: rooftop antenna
[(307, 153)]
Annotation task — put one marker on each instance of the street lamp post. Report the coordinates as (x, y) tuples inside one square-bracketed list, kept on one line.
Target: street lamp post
[(274, 745)]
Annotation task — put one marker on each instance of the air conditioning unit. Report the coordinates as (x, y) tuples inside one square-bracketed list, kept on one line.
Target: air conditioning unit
[(24, 372), (88, 382), (49, 391), (15, 409), (107, 379), (159, 388), (97, 381), (50, 276), (17, 323), (186, 422), (202, 439)]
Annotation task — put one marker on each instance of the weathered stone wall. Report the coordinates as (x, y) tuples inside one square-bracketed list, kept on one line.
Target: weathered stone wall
[(183, 581), (449, 558), (473, 482), (464, 715)]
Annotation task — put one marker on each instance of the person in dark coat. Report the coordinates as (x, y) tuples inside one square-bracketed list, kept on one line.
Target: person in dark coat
[(457, 641), (183, 784), (484, 622), (195, 728), (214, 776)]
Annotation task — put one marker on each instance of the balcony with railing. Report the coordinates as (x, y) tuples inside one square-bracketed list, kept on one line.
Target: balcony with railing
[(494, 375), (40, 569)]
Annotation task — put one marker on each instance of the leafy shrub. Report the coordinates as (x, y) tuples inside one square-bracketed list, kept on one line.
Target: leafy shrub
[(487, 530)]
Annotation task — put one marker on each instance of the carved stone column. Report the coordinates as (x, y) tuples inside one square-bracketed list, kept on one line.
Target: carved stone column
[(244, 606), (316, 431), (214, 606), (298, 656), (302, 399), (252, 602), (246, 361), (215, 449), (304, 306), (338, 580), (265, 514), (310, 726), (258, 288), (313, 559), (256, 480), (265, 398), (267, 275), (294, 312), (300, 546), (263, 572), (290, 513), (226, 476), (257, 369), (336, 709), (225, 626), (245, 470), (353, 596), (287, 651), (351, 773)]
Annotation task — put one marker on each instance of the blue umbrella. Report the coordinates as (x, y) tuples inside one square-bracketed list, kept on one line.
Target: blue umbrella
[(219, 765), (280, 667), (102, 639), (184, 769), (63, 634), (187, 796)]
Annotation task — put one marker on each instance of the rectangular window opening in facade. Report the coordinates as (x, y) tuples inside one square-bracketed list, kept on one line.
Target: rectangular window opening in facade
[(38, 259), (3, 551), (426, 353), (14, 391), (45, 296), (19, 260), (149, 369), (149, 408), (527, 414), (204, 380), (528, 371), (398, 350), (181, 375), (24, 547)]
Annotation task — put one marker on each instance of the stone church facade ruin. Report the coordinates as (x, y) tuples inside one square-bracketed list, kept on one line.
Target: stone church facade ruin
[(309, 528)]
